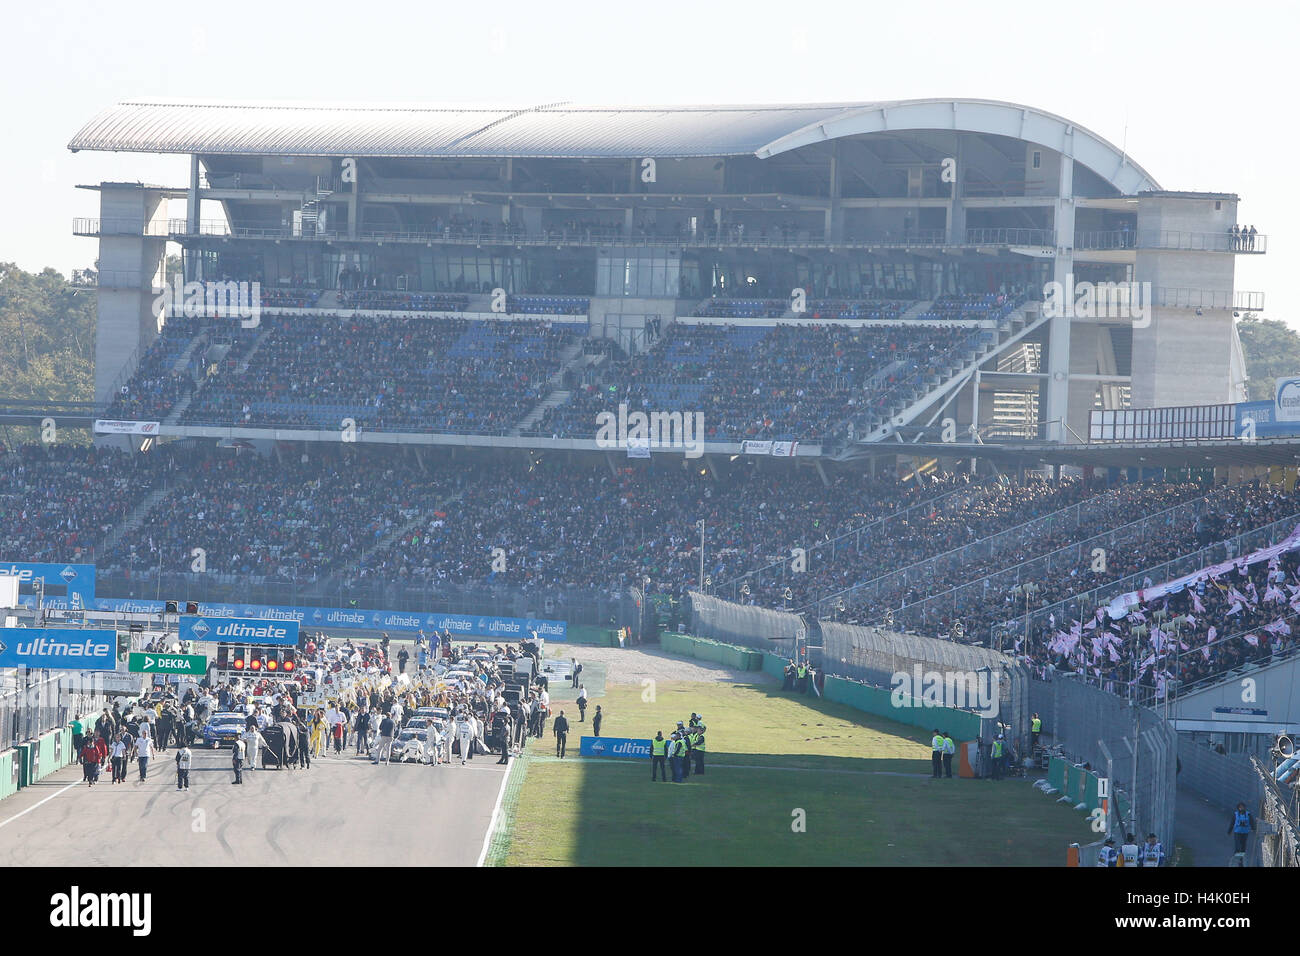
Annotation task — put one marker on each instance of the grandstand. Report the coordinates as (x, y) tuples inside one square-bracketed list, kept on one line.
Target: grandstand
[(633, 220)]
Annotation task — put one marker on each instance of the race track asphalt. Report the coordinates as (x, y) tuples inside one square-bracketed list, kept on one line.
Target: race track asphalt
[(343, 811)]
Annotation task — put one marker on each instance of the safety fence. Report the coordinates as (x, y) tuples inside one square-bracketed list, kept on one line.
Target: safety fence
[(961, 724), (757, 627), (884, 658), (1223, 779), (1132, 746), (30, 705), (33, 760), (1278, 842)]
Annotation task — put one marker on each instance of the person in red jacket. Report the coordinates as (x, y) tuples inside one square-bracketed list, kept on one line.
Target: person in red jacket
[(91, 758)]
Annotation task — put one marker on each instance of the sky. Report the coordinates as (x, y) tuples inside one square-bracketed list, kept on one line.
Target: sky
[(1193, 91)]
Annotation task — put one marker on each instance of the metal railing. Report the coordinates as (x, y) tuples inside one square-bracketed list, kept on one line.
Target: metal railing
[(617, 237), (1082, 606), (732, 588), (1208, 299), (953, 603), (1085, 513), (1011, 236)]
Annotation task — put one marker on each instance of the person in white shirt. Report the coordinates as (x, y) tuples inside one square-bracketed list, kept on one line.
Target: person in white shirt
[(183, 757), (465, 732), (237, 760), (396, 713), (143, 751), (117, 752), (253, 741)]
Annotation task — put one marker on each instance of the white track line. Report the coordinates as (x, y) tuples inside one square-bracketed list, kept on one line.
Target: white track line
[(35, 805), (496, 812)]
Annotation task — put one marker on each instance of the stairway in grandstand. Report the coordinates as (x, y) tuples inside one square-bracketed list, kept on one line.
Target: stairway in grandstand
[(938, 388), (570, 359), (402, 529), (135, 519), (555, 399), (180, 367), (182, 362), (248, 357)]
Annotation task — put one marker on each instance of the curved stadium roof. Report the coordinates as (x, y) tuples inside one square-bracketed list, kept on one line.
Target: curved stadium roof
[(573, 131)]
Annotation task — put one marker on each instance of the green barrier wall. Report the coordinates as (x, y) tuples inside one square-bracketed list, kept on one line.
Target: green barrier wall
[(737, 658), (1078, 784), (8, 784), (1056, 768), (774, 665), (879, 701), (590, 635), (55, 748), (26, 755)]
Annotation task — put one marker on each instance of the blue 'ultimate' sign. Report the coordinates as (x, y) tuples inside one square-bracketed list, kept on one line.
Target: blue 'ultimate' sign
[(238, 630), (628, 747), (61, 580), (59, 648)]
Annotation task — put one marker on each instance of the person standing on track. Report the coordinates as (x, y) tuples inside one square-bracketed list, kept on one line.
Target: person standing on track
[(384, 745), (1129, 852), (118, 754), (304, 751), (237, 760), (561, 730), (936, 755), (676, 752), (464, 734), (183, 757), (90, 760), (697, 747), (362, 730), (143, 751), (253, 742)]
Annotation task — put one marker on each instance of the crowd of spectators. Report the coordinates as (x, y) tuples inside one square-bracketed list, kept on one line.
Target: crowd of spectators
[(286, 521), (390, 373), (745, 308), (59, 501), (372, 516), (781, 382), (1242, 613)]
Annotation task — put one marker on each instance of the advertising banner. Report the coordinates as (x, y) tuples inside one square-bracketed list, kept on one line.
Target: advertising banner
[(107, 427), (460, 625), (60, 579), (59, 648), (199, 627), (631, 748)]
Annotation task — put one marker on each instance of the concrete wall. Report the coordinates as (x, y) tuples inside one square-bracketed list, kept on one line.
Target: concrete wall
[(1273, 689), (129, 266), (1183, 358)]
